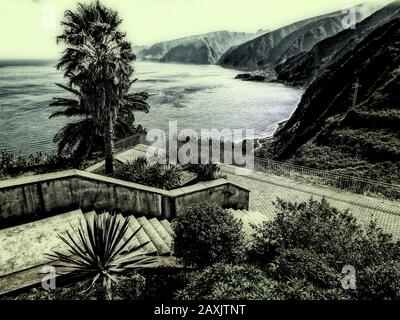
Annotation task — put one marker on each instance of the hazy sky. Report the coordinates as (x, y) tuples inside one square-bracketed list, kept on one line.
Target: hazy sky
[(28, 27)]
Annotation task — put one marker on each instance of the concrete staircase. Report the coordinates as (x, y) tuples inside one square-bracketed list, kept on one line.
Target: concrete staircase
[(23, 248), (156, 233)]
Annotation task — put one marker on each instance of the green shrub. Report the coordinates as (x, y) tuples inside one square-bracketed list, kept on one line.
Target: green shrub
[(380, 281), (348, 162), (205, 172), (162, 176), (301, 289), (305, 264), (246, 282), (307, 245), (229, 282), (163, 285), (207, 234), (316, 226), (305, 226), (12, 165), (130, 288)]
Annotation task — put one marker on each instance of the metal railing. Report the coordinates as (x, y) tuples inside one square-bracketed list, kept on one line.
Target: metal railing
[(327, 178)]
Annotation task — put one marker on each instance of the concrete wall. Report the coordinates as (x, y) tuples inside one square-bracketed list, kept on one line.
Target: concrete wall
[(30, 198)]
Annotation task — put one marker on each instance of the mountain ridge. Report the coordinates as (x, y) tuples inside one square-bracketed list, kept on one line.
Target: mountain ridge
[(266, 50), (199, 49), (305, 67)]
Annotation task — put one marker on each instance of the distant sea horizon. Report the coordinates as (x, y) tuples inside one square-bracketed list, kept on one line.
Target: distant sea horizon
[(25, 62), (196, 96)]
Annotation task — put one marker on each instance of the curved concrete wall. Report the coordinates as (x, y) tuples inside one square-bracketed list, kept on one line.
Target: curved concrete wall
[(27, 199)]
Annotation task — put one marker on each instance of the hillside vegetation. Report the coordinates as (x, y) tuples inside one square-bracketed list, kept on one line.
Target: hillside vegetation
[(351, 131)]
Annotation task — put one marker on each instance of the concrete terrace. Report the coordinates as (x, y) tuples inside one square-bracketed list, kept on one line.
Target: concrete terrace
[(251, 197), (265, 189)]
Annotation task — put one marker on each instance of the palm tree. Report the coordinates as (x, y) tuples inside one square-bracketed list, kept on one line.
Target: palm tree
[(98, 251), (84, 137), (98, 60)]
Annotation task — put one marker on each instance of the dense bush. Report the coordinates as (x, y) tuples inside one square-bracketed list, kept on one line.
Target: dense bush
[(311, 242), (205, 172), (304, 226), (12, 165), (162, 176), (207, 234), (373, 145), (130, 288), (162, 284), (316, 226), (229, 282), (352, 158), (381, 281), (305, 264), (301, 289), (246, 282)]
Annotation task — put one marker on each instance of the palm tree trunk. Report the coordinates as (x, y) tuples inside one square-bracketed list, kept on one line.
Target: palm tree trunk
[(109, 144)]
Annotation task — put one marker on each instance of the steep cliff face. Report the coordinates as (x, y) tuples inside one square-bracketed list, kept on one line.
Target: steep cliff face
[(339, 126), (305, 67), (138, 49), (279, 45), (195, 52), (202, 49)]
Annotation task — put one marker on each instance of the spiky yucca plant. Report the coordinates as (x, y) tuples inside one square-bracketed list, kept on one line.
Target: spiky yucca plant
[(98, 252)]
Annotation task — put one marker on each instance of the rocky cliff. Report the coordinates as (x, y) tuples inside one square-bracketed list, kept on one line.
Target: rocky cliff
[(349, 117), (305, 67), (280, 45), (201, 49)]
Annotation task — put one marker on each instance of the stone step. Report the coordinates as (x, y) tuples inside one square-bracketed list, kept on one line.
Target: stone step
[(89, 216), (167, 225), (161, 231), (25, 246), (162, 248), (134, 241), (142, 236)]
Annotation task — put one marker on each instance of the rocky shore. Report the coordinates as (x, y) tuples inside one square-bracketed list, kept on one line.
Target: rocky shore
[(266, 75)]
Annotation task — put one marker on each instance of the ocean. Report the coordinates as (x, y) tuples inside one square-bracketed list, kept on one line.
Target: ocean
[(196, 96)]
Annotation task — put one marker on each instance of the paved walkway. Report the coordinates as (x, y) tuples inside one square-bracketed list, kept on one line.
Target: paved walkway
[(265, 189)]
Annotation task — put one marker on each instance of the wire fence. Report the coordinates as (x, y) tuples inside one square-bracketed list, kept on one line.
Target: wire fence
[(327, 178)]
